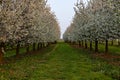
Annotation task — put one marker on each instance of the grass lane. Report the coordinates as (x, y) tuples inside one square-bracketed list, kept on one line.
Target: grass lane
[(60, 62)]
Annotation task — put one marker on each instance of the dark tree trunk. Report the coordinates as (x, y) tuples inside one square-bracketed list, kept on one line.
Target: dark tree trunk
[(42, 45), (106, 46), (91, 45), (38, 46), (34, 46), (18, 49), (82, 43), (96, 45), (86, 44), (1, 54), (79, 43), (55, 42), (118, 42)]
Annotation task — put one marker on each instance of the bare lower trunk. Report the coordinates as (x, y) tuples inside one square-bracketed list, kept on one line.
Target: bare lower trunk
[(118, 42), (82, 43), (34, 46), (38, 46), (79, 43), (1, 55), (2, 45), (106, 46), (91, 46), (96, 45), (86, 44), (55, 42)]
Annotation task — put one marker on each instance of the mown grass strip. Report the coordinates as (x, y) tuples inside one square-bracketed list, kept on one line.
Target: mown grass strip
[(62, 62)]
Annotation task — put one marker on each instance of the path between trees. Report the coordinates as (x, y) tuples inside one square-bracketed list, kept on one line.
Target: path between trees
[(62, 62)]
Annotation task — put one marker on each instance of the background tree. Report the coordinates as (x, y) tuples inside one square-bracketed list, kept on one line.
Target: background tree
[(96, 21)]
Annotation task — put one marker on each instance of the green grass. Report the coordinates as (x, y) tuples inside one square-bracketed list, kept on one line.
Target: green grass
[(60, 62)]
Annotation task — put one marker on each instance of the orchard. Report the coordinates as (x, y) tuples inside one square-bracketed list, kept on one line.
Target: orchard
[(25, 23), (97, 22), (34, 45)]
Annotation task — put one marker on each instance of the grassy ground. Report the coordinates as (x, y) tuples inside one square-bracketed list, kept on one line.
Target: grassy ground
[(60, 62)]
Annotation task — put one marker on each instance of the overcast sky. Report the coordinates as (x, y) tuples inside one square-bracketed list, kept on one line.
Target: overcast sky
[(64, 11)]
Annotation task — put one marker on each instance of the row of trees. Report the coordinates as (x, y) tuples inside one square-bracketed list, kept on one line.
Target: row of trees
[(98, 20), (26, 22)]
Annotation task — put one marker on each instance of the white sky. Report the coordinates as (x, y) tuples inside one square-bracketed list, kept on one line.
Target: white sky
[(64, 11)]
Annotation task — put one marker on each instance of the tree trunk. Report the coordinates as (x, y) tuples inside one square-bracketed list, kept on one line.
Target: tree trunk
[(86, 44), (118, 42), (18, 49), (96, 45), (106, 46), (79, 43), (55, 42), (1, 55), (82, 43), (91, 45), (43, 45), (38, 46), (2, 45), (34, 46)]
